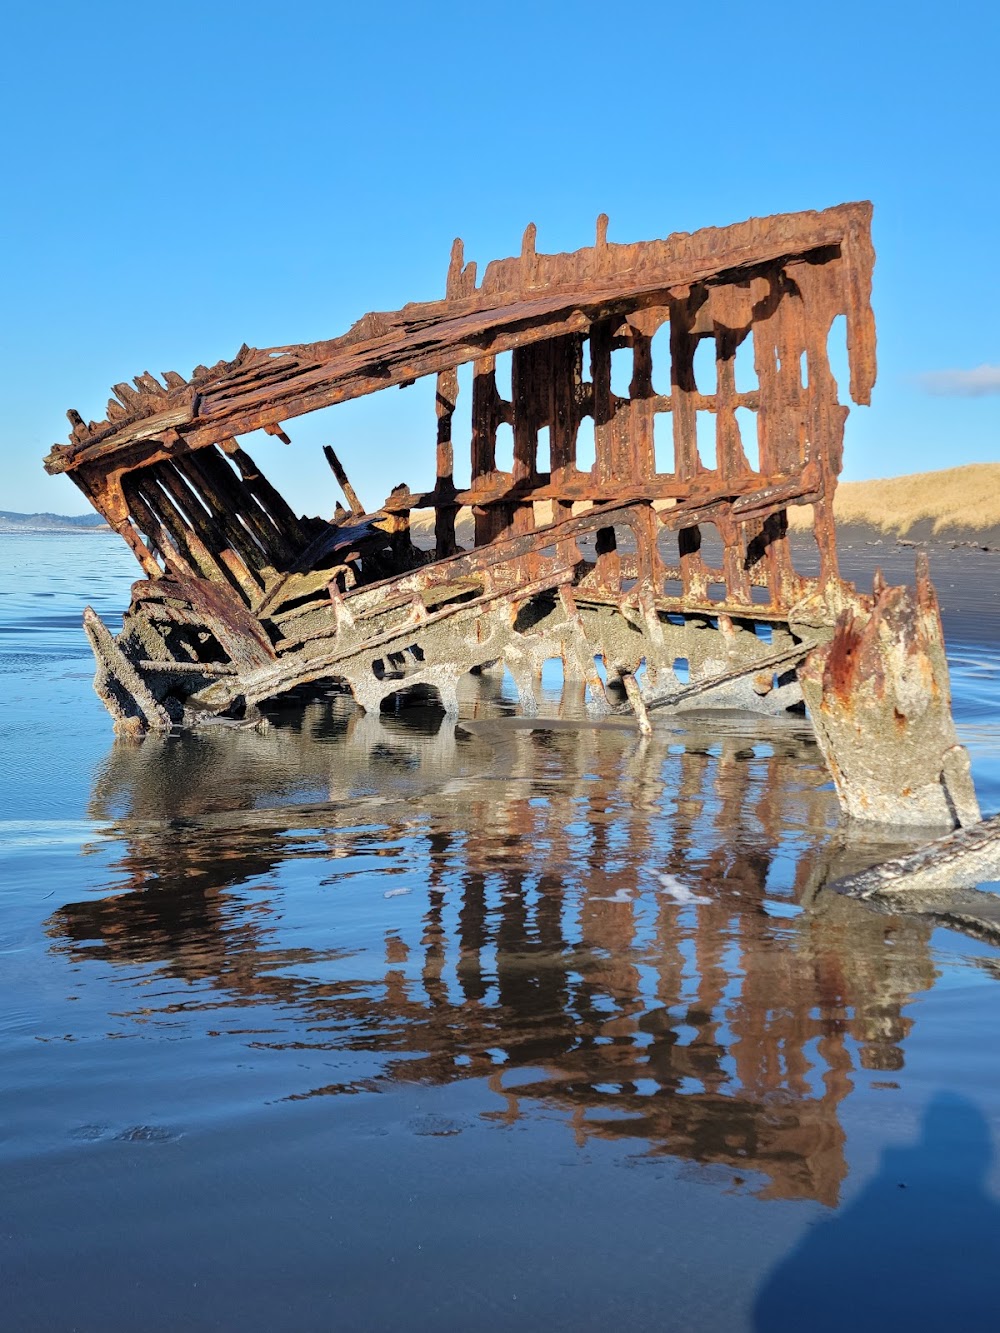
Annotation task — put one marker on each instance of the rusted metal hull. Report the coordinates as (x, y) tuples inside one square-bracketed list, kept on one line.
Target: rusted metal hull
[(670, 547)]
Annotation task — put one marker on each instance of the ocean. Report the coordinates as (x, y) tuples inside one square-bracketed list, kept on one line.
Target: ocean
[(394, 1022)]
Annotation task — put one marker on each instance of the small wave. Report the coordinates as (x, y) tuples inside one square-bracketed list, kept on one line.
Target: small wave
[(17, 834)]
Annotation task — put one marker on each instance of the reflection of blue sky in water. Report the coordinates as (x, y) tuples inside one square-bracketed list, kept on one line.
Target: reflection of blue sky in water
[(917, 1248), (975, 684)]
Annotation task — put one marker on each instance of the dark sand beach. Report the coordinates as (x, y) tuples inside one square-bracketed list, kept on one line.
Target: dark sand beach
[(402, 1024)]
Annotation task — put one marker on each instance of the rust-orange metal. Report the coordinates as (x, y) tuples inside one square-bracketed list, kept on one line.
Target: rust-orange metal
[(726, 413)]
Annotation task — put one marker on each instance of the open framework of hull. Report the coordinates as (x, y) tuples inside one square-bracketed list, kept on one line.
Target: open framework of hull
[(666, 550)]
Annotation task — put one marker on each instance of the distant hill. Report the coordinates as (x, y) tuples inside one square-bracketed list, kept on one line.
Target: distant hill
[(10, 522)]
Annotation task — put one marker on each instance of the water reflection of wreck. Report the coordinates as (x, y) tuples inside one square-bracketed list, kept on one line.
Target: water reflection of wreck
[(542, 957), (668, 399)]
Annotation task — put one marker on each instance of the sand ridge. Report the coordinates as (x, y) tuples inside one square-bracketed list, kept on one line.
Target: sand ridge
[(957, 503)]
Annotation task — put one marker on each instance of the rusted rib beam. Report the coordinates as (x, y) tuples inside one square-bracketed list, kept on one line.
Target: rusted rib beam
[(745, 493), (247, 532), (155, 531), (194, 552), (424, 340), (215, 559), (273, 503)]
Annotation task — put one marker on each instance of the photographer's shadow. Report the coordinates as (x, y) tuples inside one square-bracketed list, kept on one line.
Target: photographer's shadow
[(918, 1249)]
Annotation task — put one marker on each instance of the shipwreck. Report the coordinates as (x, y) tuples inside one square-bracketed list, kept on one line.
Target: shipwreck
[(639, 531)]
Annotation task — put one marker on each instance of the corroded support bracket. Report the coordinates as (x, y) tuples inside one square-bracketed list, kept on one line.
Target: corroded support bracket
[(879, 697)]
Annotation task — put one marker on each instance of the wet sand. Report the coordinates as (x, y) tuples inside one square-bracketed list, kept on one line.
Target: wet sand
[(967, 582), (388, 1023)]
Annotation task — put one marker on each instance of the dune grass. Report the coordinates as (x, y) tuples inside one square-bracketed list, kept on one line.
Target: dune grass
[(950, 500)]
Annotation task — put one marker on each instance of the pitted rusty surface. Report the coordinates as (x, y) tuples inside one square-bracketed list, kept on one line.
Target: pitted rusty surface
[(843, 660), (668, 401), (880, 703)]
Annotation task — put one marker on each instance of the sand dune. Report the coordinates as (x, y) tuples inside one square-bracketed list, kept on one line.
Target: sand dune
[(957, 503)]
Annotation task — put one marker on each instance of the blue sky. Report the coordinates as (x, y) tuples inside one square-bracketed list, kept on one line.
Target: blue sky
[(182, 178)]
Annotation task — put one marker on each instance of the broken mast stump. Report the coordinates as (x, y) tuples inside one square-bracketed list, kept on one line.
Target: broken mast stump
[(879, 697)]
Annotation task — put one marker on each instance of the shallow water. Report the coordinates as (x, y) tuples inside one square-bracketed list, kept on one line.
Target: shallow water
[(391, 1023)]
